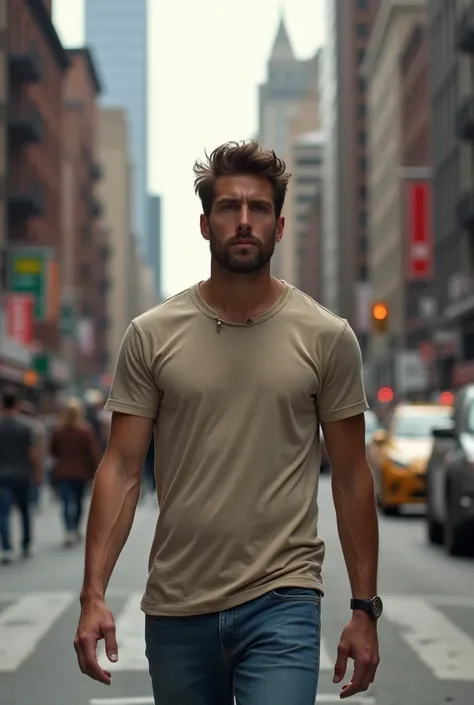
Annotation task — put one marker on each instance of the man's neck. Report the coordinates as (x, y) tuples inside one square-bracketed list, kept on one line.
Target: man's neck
[(238, 297)]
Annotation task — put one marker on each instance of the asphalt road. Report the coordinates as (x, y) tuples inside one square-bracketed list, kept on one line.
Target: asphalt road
[(426, 634)]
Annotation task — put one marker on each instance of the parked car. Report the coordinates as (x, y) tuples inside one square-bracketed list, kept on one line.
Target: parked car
[(450, 479), (399, 455)]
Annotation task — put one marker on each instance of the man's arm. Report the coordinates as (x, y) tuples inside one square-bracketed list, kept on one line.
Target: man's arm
[(354, 501), (134, 400), (114, 500), (341, 405)]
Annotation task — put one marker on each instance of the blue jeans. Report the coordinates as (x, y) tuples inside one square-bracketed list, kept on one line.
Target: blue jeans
[(263, 652), (71, 493), (15, 492)]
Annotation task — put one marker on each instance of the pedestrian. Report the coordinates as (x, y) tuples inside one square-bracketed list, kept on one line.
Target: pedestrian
[(30, 416), (20, 470), (76, 456), (236, 373)]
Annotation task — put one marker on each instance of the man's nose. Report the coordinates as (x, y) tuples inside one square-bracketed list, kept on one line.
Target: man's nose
[(244, 220)]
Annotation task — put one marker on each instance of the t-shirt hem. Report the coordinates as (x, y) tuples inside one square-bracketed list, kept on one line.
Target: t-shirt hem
[(132, 409), (344, 413), (191, 610)]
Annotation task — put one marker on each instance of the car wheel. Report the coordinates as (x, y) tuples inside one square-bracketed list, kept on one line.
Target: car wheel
[(434, 530), (454, 543)]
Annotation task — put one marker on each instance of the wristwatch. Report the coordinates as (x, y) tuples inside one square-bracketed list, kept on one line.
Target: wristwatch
[(373, 606)]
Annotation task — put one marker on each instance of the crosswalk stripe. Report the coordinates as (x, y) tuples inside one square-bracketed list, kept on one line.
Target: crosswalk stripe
[(326, 663), (130, 631), (24, 623), (443, 647)]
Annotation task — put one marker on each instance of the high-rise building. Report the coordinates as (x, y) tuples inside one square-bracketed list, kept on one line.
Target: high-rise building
[(154, 228), (37, 66), (116, 30), (115, 193), (452, 107), (345, 288), (3, 123), (288, 81), (386, 196), (85, 259)]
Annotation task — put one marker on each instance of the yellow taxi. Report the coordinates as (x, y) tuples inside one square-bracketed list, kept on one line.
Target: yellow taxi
[(398, 455)]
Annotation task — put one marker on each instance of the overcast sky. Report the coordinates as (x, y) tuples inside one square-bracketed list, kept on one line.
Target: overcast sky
[(206, 61)]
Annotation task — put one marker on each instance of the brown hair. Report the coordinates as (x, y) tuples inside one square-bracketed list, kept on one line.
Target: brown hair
[(240, 158)]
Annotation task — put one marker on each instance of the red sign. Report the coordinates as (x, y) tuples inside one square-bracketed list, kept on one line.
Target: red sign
[(419, 231), (19, 318)]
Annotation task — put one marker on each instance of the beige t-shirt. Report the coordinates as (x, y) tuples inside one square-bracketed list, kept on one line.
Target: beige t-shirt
[(237, 443)]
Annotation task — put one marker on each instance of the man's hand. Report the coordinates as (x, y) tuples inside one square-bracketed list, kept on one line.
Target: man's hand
[(96, 622), (359, 642)]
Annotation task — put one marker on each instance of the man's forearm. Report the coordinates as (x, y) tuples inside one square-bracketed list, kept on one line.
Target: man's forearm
[(358, 531), (114, 501)]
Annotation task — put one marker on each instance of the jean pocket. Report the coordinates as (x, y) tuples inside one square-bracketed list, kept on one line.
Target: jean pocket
[(291, 594)]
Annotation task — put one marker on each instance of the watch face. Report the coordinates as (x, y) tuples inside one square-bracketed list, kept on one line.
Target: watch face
[(377, 607)]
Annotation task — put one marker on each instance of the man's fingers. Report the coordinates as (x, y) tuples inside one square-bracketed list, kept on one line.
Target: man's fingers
[(111, 647), (341, 663), (364, 674), (87, 656)]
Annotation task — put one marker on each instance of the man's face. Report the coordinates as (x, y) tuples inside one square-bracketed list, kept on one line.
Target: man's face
[(242, 228)]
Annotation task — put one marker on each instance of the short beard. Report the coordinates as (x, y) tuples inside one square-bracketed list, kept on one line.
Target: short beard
[(223, 256)]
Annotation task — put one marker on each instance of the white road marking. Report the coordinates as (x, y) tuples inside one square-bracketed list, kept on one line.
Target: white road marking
[(326, 663), (130, 631), (445, 649), (149, 700), (145, 700), (335, 698), (24, 623), (451, 601)]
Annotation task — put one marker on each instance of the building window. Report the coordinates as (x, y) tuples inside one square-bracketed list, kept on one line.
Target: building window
[(362, 138), (362, 4), (362, 30), (362, 165), (363, 221), (361, 110), (361, 85), (360, 56), (362, 192)]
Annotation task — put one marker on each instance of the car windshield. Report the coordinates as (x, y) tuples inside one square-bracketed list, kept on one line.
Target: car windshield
[(421, 426), (371, 422)]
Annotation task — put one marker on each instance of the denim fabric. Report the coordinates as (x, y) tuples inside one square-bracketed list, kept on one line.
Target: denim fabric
[(263, 652)]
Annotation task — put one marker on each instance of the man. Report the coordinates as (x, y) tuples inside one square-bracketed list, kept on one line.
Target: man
[(236, 373), (20, 469), (30, 417)]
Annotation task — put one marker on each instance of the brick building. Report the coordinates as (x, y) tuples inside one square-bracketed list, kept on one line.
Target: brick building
[(85, 279), (37, 65), (310, 261), (416, 161), (345, 252)]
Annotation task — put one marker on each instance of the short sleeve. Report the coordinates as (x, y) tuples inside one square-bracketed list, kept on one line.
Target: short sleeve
[(342, 391), (134, 389)]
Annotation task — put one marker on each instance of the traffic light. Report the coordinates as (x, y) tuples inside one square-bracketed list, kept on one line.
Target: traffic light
[(380, 317)]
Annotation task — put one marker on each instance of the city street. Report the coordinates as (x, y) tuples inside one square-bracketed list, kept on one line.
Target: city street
[(426, 634)]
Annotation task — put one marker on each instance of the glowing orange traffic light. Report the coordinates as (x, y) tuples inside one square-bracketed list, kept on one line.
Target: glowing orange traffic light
[(380, 316)]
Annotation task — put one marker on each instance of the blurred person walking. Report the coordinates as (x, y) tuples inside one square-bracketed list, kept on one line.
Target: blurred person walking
[(29, 415), (20, 471), (235, 375), (76, 456)]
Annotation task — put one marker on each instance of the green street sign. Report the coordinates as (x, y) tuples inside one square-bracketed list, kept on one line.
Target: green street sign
[(28, 274)]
